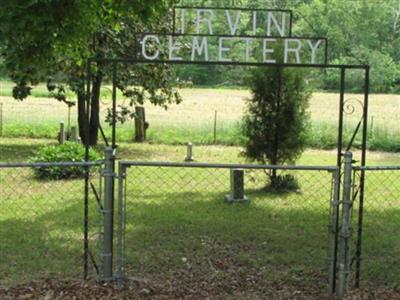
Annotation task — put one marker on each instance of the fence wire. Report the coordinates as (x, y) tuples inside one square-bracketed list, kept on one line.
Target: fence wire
[(178, 225), (380, 257), (41, 224)]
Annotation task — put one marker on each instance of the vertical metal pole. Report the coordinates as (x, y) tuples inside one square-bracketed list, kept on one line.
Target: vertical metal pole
[(341, 112), (114, 104), (333, 232), (113, 146), (107, 253), (345, 230), (362, 179), (339, 165), (86, 200), (120, 246)]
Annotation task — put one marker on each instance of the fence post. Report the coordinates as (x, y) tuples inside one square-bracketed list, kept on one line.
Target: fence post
[(333, 232), (345, 230), (121, 223), (107, 254)]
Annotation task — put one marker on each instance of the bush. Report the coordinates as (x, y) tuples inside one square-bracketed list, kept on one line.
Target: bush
[(68, 152), (284, 183)]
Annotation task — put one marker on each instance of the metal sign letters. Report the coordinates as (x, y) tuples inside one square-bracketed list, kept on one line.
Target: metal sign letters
[(233, 35)]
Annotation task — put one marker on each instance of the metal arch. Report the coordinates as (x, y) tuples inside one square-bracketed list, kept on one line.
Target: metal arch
[(341, 67), (342, 110), (228, 63)]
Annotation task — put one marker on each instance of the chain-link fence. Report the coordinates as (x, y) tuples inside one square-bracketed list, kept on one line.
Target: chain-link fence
[(202, 226), (177, 223), (380, 243), (42, 222)]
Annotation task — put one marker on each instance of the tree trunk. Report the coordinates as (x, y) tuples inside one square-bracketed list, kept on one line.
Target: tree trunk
[(273, 178), (277, 129), (82, 116), (140, 127), (94, 121)]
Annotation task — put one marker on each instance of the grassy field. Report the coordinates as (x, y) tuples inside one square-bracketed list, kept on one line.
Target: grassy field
[(180, 232), (193, 120)]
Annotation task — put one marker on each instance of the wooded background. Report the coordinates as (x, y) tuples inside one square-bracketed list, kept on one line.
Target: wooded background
[(359, 32)]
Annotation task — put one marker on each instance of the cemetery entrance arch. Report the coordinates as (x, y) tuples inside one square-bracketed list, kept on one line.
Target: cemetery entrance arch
[(213, 48)]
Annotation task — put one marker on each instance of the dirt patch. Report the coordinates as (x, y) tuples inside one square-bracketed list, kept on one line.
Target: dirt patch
[(138, 288)]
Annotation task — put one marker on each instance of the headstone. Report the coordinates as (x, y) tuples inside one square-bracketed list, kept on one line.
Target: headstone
[(189, 152), (236, 194), (62, 136), (74, 134)]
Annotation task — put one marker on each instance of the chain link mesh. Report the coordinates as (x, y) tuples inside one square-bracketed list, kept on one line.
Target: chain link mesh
[(380, 258), (177, 225), (41, 225)]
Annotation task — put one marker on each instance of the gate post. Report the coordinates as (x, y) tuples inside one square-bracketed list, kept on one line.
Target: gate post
[(333, 225), (345, 230), (119, 274), (107, 252)]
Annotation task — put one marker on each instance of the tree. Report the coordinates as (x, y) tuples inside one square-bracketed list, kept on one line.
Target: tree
[(51, 40), (276, 119), (359, 32)]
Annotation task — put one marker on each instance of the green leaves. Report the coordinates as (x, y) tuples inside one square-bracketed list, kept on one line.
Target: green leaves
[(276, 120), (68, 152)]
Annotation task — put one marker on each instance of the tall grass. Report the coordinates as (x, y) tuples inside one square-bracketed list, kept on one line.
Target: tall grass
[(321, 135), (193, 119)]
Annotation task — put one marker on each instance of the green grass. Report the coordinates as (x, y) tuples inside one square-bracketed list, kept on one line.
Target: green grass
[(175, 214), (193, 119), (179, 226), (41, 227)]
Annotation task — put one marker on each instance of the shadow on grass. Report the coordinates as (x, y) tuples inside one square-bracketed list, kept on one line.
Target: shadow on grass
[(10, 152), (48, 245), (283, 243), (194, 233)]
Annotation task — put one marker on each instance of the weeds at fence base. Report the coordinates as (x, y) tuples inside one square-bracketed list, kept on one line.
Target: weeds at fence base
[(138, 288), (283, 184)]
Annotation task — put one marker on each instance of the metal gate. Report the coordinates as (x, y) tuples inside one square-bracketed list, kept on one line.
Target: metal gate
[(175, 214), (376, 224)]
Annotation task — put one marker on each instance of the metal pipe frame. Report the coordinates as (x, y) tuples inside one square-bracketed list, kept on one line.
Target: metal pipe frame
[(87, 85), (232, 8), (362, 179), (128, 164), (377, 168), (333, 231), (345, 230), (335, 222), (51, 164), (256, 37), (341, 67), (108, 215), (226, 63), (121, 221)]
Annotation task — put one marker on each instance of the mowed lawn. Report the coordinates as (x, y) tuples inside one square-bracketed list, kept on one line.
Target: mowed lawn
[(178, 228), (195, 118)]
